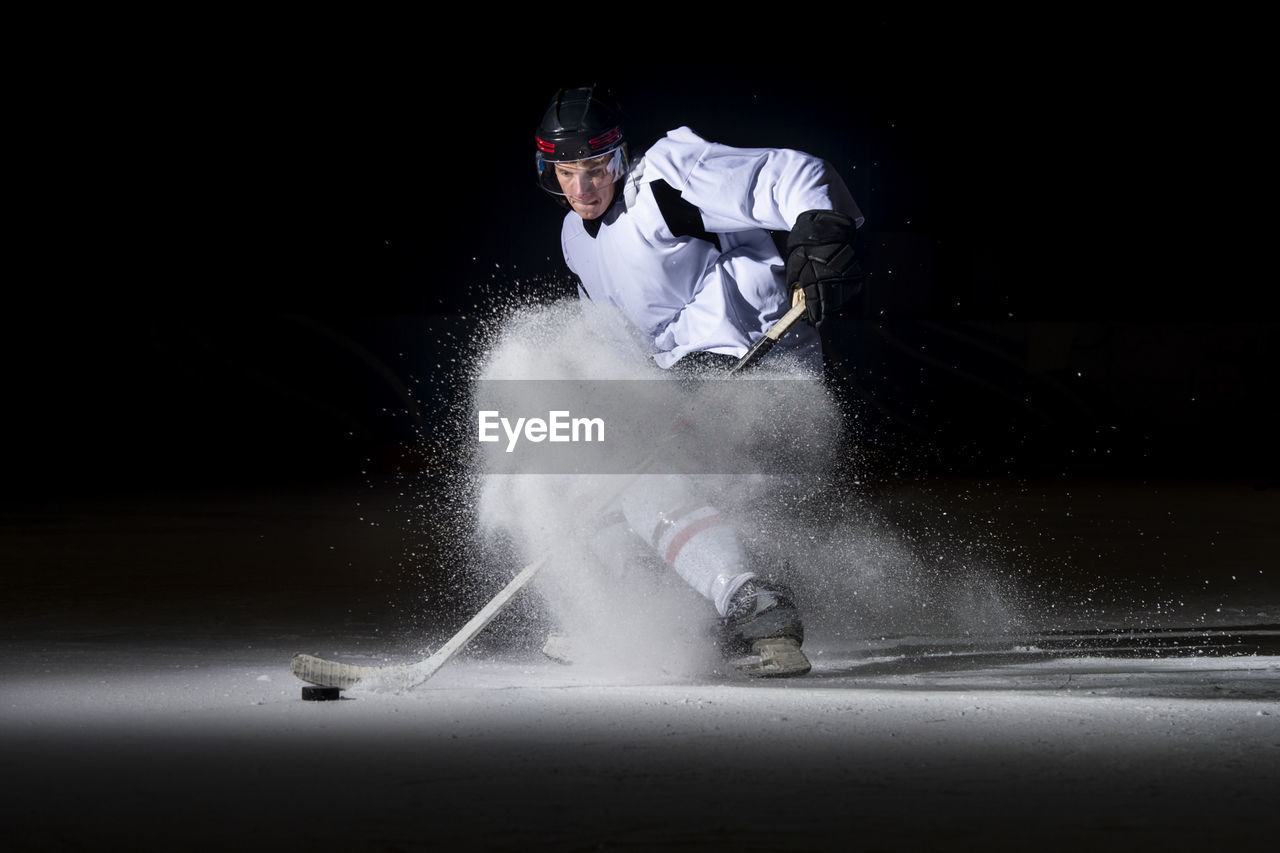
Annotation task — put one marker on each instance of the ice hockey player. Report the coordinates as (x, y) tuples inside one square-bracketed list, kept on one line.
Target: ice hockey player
[(689, 243)]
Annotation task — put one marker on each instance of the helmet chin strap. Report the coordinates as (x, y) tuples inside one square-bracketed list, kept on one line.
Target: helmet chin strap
[(618, 162), (631, 186)]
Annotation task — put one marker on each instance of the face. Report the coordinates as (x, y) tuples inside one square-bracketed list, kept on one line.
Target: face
[(588, 185)]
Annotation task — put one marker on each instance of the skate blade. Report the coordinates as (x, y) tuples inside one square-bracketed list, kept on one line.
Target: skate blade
[(774, 658)]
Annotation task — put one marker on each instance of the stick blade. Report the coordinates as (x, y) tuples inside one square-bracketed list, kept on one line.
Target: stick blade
[(329, 673)]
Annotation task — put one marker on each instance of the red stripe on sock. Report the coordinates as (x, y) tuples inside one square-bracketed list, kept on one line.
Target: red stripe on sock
[(694, 528)]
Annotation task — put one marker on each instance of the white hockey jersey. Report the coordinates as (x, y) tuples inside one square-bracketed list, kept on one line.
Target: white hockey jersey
[(680, 290)]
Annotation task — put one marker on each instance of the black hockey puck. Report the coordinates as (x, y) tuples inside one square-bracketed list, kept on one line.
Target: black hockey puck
[(320, 694)]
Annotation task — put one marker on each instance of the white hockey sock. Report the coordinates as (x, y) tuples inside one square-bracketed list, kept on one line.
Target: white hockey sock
[(618, 548), (704, 550), (689, 535)]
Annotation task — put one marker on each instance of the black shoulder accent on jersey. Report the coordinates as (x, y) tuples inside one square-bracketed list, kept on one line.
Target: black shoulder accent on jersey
[(682, 218)]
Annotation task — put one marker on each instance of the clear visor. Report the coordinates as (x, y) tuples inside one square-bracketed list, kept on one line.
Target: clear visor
[(582, 177)]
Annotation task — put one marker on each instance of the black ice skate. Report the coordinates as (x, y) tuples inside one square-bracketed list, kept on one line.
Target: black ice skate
[(763, 631)]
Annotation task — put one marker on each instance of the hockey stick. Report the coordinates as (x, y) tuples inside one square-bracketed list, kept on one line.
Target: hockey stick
[(329, 673)]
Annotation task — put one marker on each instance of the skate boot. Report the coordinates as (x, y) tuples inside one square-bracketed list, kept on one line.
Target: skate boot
[(763, 631)]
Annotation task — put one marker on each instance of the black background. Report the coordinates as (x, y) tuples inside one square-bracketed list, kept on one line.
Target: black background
[(255, 263)]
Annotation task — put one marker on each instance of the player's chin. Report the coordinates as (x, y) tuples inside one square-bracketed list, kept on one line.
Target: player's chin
[(588, 211)]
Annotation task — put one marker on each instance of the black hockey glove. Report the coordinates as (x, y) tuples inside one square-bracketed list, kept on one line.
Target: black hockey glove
[(821, 258)]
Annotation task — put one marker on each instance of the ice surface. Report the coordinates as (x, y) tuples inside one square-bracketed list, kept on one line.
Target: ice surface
[(163, 716), (148, 747)]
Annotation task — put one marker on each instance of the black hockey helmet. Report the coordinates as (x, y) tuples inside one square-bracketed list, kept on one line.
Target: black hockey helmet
[(580, 124)]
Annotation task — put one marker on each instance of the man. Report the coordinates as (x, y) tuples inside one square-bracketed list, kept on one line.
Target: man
[(689, 243)]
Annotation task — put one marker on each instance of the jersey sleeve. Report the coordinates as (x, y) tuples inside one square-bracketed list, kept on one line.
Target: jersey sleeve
[(741, 188)]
